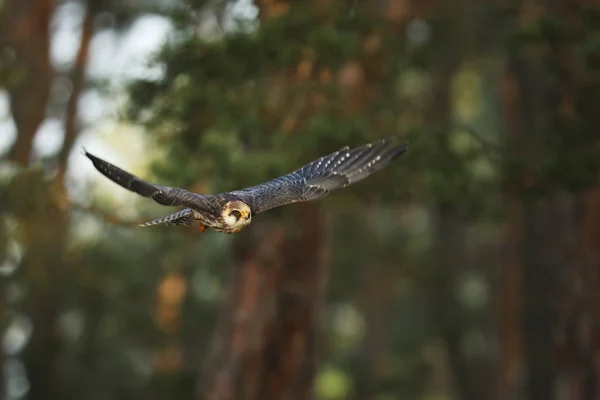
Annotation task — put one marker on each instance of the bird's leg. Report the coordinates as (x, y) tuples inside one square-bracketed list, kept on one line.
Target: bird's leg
[(202, 228)]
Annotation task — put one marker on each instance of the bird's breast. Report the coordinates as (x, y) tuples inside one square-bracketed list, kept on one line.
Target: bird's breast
[(217, 223)]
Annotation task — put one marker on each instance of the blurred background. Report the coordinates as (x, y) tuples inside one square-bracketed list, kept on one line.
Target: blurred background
[(469, 269)]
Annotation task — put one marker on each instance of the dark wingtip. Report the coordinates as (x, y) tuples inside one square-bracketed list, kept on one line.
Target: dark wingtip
[(404, 145), (394, 142), (394, 148), (89, 155)]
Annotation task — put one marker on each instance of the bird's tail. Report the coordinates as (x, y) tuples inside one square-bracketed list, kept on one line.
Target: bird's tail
[(183, 217)]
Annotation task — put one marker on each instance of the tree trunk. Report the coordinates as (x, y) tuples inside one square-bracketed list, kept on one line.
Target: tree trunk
[(27, 25), (78, 84), (586, 327), (542, 248), (33, 198), (511, 360), (265, 344)]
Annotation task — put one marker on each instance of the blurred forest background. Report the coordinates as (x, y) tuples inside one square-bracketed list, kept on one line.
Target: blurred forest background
[(470, 269)]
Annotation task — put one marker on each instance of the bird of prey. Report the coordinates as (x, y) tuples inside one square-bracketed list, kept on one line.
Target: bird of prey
[(231, 212)]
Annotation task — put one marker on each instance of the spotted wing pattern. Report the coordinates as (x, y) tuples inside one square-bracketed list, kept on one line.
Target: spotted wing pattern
[(164, 195), (183, 217), (318, 178)]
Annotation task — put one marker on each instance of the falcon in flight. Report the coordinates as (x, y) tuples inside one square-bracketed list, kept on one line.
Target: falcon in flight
[(230, 212)]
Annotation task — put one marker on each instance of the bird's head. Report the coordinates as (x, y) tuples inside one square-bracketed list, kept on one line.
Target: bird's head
[(236, 215)]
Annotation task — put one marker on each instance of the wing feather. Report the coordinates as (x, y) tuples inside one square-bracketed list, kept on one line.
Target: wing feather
[(318, 178), (164, 195), (313, 181), (183, 217)]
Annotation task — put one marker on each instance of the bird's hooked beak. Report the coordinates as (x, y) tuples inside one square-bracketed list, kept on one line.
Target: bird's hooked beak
[(246, 214)]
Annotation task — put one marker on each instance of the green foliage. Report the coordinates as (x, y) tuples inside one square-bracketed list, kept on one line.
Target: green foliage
[(223, 111)]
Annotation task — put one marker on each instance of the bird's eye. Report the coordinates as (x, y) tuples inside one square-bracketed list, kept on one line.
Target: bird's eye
[(236, 213)]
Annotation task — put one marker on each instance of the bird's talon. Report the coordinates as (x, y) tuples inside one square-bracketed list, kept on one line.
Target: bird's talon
[(202, 228)]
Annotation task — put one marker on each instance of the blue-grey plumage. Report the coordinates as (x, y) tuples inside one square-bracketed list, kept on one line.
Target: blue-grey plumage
[(318, 178), (183, 217), (231, 212)]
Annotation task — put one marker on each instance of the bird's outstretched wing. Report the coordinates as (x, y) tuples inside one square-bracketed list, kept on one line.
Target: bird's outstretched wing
[(164, 195), (318, 178), (183, 217)]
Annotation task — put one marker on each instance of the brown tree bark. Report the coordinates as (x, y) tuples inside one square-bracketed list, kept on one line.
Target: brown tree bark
[(557, 308), (510, 363), (539, 249), (586, 327), (541, 223), (33, 198), (27, 28), (265, 344), (78, 84), (578, 337)]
